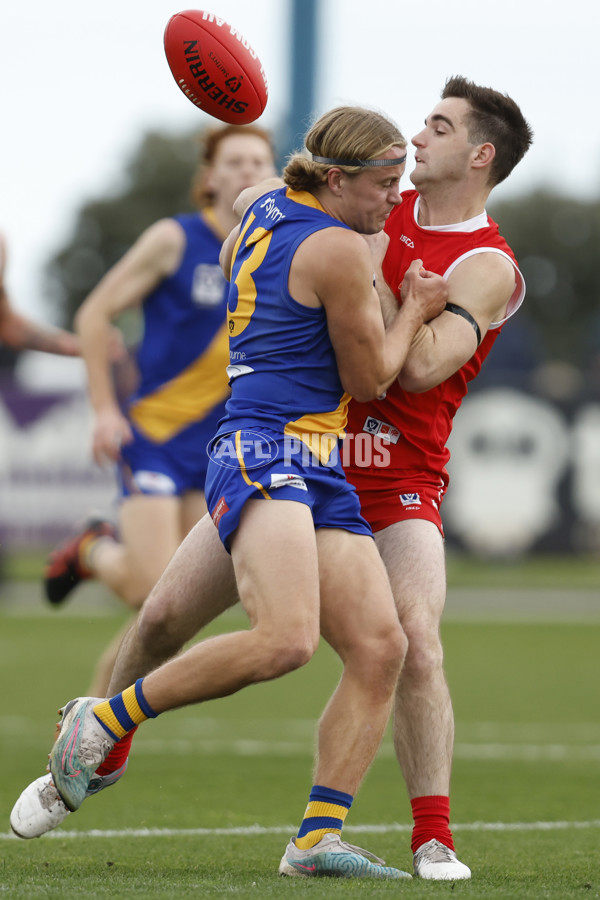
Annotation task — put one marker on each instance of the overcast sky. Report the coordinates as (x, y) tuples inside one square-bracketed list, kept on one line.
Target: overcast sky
[(81, 83)]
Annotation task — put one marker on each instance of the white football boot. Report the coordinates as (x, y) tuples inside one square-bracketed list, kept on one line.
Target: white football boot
[(40, 809), (437, 862)]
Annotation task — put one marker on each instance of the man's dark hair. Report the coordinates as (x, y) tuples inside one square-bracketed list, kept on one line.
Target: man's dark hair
[(495, 118)]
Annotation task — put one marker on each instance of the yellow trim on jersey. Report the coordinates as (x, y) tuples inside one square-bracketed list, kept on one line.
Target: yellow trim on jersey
[(240, 319), (246, 305), (306, 198), (246, 477), (320, 431), (210, 217), (189, 396)]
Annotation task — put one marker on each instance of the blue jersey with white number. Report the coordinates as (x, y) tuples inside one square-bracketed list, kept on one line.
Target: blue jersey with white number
[(282, 364), (183, 356)]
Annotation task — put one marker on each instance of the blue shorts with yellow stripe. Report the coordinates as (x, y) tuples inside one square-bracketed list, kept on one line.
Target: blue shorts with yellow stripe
[(261, 463)]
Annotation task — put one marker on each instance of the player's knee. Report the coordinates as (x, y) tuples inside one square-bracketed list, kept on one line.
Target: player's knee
[(390, 652), (377, 658), (158, 632), (425, 654), (286, 652)]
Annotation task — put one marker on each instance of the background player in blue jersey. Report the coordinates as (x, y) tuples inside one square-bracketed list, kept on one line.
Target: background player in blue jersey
[(307, 332), (158, 443)]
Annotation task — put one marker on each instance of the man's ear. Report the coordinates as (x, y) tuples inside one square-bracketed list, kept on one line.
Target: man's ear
[(335, 179), (484, 155)]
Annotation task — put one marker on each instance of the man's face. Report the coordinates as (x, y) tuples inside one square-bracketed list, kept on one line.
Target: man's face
[(443, 150), (368, 198), (241, 160)]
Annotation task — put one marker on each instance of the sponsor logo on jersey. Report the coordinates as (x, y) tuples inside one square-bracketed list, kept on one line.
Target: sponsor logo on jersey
[(383, 430), (407, 241), (272, 211), (219, 511), (288, 479), (411, 501)]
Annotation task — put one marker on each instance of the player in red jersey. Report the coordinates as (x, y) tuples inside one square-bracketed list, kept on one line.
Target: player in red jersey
[(471, 141)]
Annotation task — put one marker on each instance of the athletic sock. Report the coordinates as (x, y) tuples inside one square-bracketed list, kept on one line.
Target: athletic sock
[(118, 755), (87, 549), (324, 814), (431, 815), (123, 712)]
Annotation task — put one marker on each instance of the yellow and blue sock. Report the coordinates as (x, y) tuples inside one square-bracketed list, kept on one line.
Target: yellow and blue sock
[(324, 814), (125, 711)]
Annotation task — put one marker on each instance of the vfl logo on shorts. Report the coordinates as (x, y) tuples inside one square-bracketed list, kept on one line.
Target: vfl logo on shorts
[(412, 501), (285, 479), (385, 431), (154, 483)]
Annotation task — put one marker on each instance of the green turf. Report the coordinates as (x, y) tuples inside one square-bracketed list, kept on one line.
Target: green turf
[(542, 570), (527, 753)]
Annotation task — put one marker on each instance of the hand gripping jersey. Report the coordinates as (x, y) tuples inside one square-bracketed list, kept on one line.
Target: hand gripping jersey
[(416, 427), (183, 356), (282, 367)]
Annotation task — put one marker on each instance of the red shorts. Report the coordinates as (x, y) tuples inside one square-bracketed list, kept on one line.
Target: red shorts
[(404, 501)]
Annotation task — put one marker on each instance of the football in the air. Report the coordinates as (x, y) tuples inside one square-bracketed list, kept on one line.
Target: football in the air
[(215, 67)]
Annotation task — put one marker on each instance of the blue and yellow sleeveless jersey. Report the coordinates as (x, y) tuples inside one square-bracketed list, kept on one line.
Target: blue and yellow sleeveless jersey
[(183, 355), (282, 365)]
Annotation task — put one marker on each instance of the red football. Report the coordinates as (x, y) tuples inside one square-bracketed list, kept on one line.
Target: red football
[(215, 67)]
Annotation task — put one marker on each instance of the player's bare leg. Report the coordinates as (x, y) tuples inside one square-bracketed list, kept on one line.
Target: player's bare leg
[(278, 586), (195, 588), (413, 553), (150, 532), (359, 621), (152, 528)]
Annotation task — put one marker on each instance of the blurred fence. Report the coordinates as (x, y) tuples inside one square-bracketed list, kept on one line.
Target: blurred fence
[(525, 471)]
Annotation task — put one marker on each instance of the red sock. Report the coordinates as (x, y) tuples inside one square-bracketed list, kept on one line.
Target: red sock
[(431, 816), (117, 755)]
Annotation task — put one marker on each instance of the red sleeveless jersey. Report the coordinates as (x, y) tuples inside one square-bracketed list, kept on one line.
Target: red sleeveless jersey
[(416, 427)]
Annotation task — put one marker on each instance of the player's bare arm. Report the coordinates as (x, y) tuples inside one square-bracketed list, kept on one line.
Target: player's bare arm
[(22, 333), (378, 244), (333, 268), (155, 255), (226, 254), (482, 285), (250, 194), (247, 197)]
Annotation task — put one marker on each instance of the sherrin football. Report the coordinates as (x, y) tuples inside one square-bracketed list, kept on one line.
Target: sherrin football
[(215, 67)]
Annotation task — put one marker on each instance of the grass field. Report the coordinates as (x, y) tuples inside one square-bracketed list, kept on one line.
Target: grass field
[(213, 793)]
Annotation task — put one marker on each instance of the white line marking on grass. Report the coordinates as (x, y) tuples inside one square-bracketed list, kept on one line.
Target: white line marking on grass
[(253, 830), (469, 751)]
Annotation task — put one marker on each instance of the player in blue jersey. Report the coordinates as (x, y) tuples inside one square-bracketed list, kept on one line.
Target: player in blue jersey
[(158, 442), (306, 333)]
